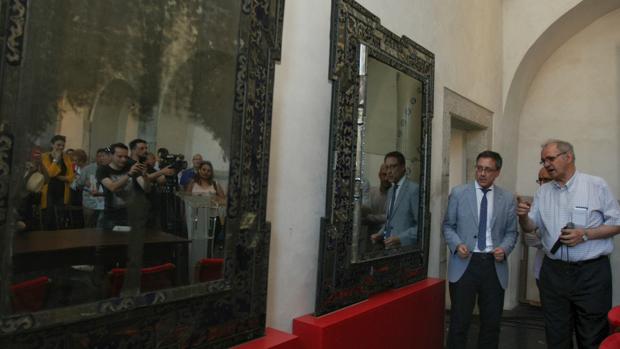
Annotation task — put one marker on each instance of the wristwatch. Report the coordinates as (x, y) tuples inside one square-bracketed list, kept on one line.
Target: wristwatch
[(584, 237)]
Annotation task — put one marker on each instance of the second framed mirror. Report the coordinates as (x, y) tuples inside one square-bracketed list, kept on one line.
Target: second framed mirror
[(375, 234)]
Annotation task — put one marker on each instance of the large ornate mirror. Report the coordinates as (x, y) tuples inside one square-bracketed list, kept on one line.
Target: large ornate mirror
[(134, 176), (376, 234)]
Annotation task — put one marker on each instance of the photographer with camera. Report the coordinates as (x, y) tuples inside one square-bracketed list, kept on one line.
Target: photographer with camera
[(122, 183), (580, 212), (139, 150)]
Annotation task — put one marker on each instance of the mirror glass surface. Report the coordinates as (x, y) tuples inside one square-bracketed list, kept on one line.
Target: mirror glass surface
[(105, 72), (393, 122)]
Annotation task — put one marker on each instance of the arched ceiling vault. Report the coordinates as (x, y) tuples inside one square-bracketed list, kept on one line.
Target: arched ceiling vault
[(565, 27)]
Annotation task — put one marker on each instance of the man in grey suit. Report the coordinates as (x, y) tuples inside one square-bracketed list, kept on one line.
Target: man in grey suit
[(480, 228), (401, 225)]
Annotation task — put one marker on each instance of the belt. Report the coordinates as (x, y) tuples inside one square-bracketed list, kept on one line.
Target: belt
[(577, 263), (483, 255)]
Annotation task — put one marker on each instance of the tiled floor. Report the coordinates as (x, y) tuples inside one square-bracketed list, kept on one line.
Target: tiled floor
[(522, 328)]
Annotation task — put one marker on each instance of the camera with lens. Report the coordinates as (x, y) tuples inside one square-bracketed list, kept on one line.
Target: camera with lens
[(174, 161)]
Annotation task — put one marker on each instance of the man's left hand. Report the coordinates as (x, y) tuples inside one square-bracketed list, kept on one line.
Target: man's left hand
[(499, 254), (572, 237), (391, 242)]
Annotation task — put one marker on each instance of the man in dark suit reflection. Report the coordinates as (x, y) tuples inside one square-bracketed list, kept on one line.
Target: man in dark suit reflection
[(401, 226)]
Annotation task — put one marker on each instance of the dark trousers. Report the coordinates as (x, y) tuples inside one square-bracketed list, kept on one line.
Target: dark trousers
[(478, 279), (575, 295)]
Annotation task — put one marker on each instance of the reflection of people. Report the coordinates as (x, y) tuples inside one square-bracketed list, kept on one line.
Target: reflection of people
[(480, 227), (34, 180), (373, 214), (120, 185), (203, 183), (139, 151), (575, 281), (401, 225), (79, 159), (56, 193), (189, 173), (532, 239), (92, 193)]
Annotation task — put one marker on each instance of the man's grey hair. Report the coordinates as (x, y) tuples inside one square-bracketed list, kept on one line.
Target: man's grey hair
[(563, 146)]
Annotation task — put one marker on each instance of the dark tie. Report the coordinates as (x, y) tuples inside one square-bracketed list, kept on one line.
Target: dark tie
[(482, 224), (388, 228)]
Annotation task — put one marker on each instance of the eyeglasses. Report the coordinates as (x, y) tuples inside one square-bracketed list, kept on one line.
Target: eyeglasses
[(542, 181), (550, 159), (485, 169), (392, 166)]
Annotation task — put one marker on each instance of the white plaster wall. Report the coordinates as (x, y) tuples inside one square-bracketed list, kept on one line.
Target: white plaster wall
[(298, 161), (466, 39), (457, 157), (575, 96), (524, 22)]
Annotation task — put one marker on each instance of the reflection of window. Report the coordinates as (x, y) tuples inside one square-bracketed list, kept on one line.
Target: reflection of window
[(393, 118)]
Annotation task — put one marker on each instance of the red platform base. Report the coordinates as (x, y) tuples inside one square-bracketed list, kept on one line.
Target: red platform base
[(410, 317), (273, 339)]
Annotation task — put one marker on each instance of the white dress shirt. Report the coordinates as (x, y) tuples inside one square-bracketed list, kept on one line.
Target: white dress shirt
[(586, 201)]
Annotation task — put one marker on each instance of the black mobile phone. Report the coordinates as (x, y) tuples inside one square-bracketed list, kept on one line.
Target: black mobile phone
[(558, 243)]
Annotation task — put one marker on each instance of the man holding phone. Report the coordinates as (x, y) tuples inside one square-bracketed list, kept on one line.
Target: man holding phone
[(575, 281)]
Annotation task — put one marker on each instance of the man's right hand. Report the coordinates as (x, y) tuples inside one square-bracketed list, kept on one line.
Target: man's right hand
[(57, 155), (137, 169), (523, 209), (462, 251), (376, 237)]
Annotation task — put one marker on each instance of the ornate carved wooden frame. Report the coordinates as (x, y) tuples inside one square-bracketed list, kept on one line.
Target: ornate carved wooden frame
[(341, 281), (216, 314)]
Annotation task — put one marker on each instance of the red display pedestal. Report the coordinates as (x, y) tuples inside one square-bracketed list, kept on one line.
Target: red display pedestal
[(410, 317), (273, 339)]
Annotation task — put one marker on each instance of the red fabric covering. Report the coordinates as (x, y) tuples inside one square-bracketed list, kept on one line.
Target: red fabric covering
[(611, 342), (613, 316), (208, 269), (409, 317), (29, 296), (153, 278)]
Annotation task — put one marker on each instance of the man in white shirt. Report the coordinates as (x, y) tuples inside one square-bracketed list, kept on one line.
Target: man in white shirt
[(575, 280)]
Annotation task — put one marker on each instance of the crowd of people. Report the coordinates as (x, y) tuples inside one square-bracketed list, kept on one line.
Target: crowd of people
[(65, 190)]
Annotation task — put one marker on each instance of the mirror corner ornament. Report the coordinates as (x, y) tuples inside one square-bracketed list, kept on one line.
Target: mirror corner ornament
[(16, 30)]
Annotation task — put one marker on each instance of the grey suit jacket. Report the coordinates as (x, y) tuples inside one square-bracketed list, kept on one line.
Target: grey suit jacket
[(404, 220), (460, 226)]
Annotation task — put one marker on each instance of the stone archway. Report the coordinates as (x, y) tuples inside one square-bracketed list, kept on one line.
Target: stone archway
[(555, 35)]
